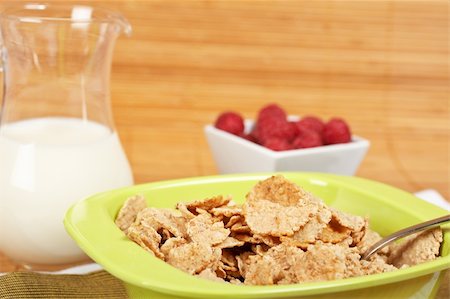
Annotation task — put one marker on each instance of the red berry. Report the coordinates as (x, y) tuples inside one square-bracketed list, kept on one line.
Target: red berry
[(336, 131), (276, 128), (312, 123), (307, 138), (271, 122), (277, 144), (254, 133), (271, 111), (230, 122), (249, 137)]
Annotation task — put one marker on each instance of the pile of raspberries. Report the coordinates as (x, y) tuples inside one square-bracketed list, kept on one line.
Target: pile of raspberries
[(273, 130)]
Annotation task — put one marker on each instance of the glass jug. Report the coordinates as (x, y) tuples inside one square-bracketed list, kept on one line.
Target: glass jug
[(57, 138)]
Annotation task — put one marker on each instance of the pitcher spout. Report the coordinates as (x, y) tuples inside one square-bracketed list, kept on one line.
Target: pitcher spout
[(82, 15), (77, 15)]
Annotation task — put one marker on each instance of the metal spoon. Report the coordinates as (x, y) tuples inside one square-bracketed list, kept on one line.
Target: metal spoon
[(403, 233)]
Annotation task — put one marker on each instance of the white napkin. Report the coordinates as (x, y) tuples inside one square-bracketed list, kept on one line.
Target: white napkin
[(434, 197), (82, 269)]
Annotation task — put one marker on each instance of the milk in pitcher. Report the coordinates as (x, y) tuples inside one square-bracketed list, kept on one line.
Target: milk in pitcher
[(46, 164)]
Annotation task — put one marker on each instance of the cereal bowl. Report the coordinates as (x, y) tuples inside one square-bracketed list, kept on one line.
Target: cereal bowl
[(90, 222), (233, 154)]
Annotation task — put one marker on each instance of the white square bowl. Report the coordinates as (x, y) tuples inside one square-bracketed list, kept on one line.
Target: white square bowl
[(234, 154)]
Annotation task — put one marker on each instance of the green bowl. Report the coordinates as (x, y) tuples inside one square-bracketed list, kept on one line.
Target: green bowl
[(90, 222)]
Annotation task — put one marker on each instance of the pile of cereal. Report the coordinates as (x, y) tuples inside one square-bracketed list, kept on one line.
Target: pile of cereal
[(282, 234)]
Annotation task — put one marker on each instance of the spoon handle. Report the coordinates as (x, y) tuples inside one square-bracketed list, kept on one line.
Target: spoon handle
[(403, 233)]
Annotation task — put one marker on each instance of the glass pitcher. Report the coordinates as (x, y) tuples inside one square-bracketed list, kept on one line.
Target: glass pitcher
[(57, 138)]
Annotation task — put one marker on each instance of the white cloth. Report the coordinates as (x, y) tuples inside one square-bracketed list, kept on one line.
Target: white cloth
[(434, 197)]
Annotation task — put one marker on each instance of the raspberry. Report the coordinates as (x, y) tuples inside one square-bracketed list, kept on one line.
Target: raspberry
[(271, 122), (271, 111), (230, 122), (250, 137), (307, 138), (276, 128), (336, 131), (277, 144), (254, 133), (312, 123)]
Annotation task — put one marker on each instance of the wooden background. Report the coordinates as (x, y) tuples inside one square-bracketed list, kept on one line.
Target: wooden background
[(382, 65)]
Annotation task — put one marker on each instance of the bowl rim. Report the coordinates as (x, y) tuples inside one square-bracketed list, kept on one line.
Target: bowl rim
[(356, 143), (75, 223)]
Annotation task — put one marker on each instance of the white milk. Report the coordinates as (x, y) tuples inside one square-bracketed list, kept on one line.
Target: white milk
[(46, 165)]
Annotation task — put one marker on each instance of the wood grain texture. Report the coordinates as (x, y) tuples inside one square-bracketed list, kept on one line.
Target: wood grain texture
[(382, 65)]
